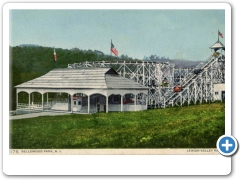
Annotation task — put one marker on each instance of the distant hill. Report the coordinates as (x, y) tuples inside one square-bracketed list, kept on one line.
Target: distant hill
[(28, 45), (179, 63)]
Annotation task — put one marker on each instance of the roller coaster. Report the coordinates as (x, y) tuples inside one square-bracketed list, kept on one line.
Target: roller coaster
[(170, 86)]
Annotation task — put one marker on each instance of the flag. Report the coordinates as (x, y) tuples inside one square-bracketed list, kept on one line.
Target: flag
[(113, 49), (220, 34), (54, 55)]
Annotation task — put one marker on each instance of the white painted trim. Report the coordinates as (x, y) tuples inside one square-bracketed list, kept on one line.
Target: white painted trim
[(88, 104)]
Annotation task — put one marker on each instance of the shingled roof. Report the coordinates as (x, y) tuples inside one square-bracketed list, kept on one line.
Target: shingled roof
[(84, 78)]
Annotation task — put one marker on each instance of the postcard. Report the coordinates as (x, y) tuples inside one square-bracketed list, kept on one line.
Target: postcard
[(96, 85)]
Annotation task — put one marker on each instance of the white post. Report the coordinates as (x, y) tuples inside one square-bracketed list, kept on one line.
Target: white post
[(16, 100), (47, 98), (206, 96), (106, 104), (29, 99), (149, 76), (180, 76), (135, 102), (124, 69), (143, 74), (137, 73), (121, 103), (71, 103), (88, 104), (201, 92), (195, 92), (211, 88), (42, 100)]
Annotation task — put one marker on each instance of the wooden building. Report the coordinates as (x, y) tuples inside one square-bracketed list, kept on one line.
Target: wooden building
[(85, 89)]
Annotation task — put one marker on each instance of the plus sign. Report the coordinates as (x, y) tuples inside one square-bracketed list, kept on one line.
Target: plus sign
[(227, 145)]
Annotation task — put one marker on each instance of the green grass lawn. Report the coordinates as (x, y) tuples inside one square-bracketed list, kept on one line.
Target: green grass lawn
[(180, 127)]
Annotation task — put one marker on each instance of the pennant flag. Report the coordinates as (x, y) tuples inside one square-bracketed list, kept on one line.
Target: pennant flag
[(54, 55), (220, 34), (113, 49)]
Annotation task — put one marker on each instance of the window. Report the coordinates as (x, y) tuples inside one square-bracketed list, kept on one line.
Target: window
[(216, 93), (79, 102), (74, 102)]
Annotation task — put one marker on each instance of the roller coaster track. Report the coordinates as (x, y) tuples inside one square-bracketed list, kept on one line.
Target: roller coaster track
[(195, 80), (196, 86)]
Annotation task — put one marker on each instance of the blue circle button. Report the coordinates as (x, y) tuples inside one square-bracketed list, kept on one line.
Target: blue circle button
[(227, 145)]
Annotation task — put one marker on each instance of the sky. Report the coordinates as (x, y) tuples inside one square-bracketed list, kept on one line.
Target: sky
[(176, 34)]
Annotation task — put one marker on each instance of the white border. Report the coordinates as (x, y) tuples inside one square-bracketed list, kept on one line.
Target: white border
[(114, 164)]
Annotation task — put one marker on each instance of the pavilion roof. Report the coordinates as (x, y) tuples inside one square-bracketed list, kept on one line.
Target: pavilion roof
[(218, 45), (82, 78)]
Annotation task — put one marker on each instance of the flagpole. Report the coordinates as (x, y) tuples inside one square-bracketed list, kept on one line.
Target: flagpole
[(53, 54), (111, 48), (53, 64)]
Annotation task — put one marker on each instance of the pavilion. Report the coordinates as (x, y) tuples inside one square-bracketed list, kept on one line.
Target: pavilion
[(85, 88)]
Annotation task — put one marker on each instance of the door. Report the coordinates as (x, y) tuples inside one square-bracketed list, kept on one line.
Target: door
[(223, 95)]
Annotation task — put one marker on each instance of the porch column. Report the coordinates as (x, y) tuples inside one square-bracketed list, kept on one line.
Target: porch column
[(29, 99), (135, 102), (71, 103), (16, 100), (121, 103), (88, 104), (42, 101), (47, 98), (106, 104)]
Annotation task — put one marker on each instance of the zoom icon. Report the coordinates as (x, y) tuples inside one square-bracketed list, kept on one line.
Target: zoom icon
[(227, 145)]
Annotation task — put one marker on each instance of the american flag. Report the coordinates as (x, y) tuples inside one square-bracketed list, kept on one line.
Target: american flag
[(54, 55), (113, 49), (220, 34)]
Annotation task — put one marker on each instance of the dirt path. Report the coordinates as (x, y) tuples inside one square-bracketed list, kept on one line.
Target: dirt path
[(32, 115)]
